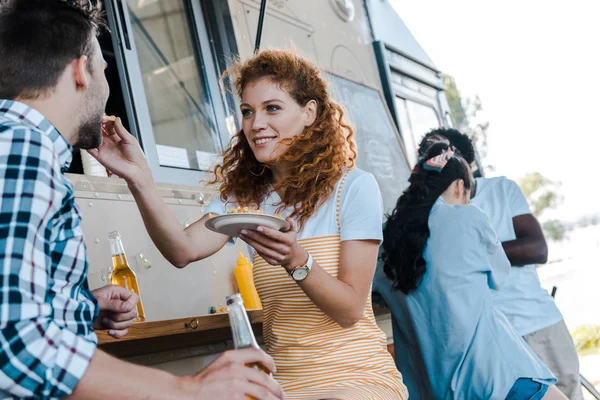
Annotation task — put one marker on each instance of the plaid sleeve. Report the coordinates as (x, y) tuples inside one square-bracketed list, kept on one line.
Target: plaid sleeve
[(39, 357)]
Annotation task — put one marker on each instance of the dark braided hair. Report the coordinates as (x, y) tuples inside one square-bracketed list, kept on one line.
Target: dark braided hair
[(407, 230)]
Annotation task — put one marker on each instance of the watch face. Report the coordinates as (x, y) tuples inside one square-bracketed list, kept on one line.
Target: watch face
[(300, 273)]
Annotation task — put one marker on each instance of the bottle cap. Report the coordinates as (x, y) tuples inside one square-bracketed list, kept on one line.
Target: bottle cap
[(234, 298), (242, 260)]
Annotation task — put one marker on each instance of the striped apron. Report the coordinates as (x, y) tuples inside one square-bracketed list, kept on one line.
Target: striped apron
[(315, 357)]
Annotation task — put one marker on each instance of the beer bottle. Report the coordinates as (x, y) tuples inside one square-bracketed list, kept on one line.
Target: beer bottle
[(243, 337), (122, 275)]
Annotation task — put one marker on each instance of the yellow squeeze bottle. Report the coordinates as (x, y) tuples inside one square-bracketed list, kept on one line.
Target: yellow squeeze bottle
[(245, 282)]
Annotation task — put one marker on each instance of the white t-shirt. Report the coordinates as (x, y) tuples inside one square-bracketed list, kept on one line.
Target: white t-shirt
[(361, 210), (522, 299)]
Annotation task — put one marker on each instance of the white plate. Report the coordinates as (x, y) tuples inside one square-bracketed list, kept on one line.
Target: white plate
[(232, 224)]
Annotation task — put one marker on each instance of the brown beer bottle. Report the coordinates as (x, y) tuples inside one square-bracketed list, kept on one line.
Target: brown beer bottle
[(243, 337), (122, 275)]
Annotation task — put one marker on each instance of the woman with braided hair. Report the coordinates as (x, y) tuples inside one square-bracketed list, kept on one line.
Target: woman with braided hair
[(441, 262)]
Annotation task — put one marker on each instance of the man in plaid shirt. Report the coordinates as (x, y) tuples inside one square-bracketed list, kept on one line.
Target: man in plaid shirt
[(52, 97)]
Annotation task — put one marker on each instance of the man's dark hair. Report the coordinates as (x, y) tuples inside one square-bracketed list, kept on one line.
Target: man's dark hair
[(459, 141), (39, 38)]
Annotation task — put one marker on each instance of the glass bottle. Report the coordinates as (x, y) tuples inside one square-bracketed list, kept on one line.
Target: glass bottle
[(122, 274)]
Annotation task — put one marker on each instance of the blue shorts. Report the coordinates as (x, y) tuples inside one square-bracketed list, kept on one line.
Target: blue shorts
[(527, 389)]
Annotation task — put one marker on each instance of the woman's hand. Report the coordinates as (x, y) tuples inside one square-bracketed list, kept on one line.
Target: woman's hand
[(120, 152), (275, 247)]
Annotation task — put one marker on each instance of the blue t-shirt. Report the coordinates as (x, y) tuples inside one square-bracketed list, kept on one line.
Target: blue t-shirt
[(527, 305), (450, 340)]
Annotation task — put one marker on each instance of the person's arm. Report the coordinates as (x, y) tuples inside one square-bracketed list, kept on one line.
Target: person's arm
[(180, 246), (226, 378), (530, 246), (110, 378), (121, 154), (342, 298)]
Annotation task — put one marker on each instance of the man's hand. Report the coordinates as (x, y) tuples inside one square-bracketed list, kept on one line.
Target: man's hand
[(117, 309), (120, 152), (228, 377)]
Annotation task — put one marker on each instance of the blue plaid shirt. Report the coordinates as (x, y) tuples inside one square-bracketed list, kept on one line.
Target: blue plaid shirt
[(46, 306)]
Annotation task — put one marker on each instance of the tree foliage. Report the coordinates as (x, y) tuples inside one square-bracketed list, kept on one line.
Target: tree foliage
[(467, 114), (554, 230), (543, 194)]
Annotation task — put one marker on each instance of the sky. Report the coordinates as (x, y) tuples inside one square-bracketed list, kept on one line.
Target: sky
[(536, 67)]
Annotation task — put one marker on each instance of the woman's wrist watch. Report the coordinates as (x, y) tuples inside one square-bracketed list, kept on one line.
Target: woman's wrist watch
[(300, 273)]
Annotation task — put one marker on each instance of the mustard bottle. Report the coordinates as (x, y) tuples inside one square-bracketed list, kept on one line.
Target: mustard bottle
[(245, 282)]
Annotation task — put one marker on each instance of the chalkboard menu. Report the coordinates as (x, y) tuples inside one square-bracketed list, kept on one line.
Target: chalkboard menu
[(380, 149)]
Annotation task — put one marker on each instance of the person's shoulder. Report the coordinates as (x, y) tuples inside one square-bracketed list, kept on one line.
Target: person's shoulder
[(25, 140), (496, 182), (355, 173), (357, 182), (468, 210), (358, 176), (494, 187), (463, 217), (8, 124)]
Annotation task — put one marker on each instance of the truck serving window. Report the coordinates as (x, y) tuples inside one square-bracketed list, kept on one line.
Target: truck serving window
[(183, 121), (182, 118), (169, 78)]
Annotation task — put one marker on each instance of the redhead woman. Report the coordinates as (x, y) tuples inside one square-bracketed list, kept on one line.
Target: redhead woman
[(294, 156)]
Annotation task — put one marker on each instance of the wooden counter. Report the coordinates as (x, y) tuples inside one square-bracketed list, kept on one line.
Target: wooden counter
[(159, 336)]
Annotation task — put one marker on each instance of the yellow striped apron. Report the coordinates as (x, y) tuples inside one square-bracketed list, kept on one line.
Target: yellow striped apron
[(315, 357)]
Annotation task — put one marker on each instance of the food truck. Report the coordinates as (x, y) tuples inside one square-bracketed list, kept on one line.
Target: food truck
[(165, 61)]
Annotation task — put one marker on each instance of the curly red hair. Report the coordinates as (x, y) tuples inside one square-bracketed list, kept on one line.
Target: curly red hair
[(317, 156)]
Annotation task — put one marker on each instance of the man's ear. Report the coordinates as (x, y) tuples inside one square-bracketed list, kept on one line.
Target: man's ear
[(310, 112), (80, 73)]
